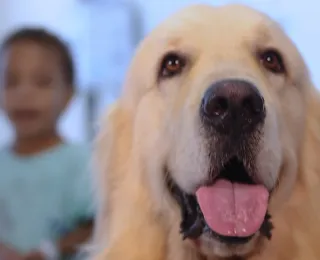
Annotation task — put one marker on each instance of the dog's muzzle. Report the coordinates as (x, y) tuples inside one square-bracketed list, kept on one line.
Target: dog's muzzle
[(193, 223)]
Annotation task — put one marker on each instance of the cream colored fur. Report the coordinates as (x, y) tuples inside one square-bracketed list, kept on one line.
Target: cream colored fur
[(137, 219)]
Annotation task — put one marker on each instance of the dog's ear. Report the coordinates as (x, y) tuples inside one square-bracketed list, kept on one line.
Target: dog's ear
[(112, 148), (304, 206), (311, 143), (125, 225), (121, 191)]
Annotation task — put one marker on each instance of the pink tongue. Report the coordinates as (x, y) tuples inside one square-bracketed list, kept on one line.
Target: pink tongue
[(233, 209)]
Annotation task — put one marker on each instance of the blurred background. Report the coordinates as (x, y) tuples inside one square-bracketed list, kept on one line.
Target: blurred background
[(103, 34)]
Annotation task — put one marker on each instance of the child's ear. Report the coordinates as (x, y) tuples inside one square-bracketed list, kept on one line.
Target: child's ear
[(1, 99), (69, 96)]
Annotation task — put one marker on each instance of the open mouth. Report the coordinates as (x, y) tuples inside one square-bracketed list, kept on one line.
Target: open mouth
[(232, 208), (25, 114)]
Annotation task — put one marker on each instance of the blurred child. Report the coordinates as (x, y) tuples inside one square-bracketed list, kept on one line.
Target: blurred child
[(44, 192)]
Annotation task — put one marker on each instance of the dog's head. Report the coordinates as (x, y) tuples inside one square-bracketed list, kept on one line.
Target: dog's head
[(217, 99)]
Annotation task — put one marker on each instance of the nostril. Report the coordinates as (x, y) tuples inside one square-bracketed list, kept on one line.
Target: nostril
[(253, 105), (220, 106), (248, 105), (216, 106)]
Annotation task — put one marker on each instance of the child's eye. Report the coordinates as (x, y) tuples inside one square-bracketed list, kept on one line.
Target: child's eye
[(11, 82), (43, 81)]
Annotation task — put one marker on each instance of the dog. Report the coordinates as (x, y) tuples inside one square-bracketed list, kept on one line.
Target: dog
[(211, 151)]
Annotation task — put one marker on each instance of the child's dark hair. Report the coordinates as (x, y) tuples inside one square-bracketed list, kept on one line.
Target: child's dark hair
[(45, 38)]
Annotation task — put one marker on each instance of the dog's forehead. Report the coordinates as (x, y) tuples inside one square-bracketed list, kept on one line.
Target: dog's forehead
[(205, 21), (226, 32)]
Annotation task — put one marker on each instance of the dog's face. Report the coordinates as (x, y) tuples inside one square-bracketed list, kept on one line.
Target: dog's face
[(219, 101)]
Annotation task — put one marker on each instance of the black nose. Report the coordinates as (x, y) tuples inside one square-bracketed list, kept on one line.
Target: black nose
[(232, 106)]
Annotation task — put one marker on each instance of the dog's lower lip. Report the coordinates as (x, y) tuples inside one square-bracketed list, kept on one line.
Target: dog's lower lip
[(232, 240)]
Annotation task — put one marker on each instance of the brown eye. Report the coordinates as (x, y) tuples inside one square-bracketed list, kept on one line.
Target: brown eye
[(272, 61), (11, 81), (171, 65), (43, 81)]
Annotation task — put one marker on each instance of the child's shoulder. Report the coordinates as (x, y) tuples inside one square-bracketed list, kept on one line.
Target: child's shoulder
[(5, 153), (71, 153), (75, 159), (66, 152), (77, 156), (75, 151)]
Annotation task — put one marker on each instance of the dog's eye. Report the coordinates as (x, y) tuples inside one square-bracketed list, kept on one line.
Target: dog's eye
[(272, 61), (171, 65)]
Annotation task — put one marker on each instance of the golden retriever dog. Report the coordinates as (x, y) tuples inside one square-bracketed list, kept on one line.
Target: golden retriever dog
[(212, 150)]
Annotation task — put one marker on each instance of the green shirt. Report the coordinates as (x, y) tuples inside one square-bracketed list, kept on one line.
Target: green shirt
[(44, 195)]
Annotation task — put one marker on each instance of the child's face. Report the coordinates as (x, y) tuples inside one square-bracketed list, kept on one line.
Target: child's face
[(33, 90)]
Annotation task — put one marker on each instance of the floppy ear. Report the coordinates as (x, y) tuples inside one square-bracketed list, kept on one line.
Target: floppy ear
[(304, 210), (126, 226), (296, 226), (112, 148), (311, 146)]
